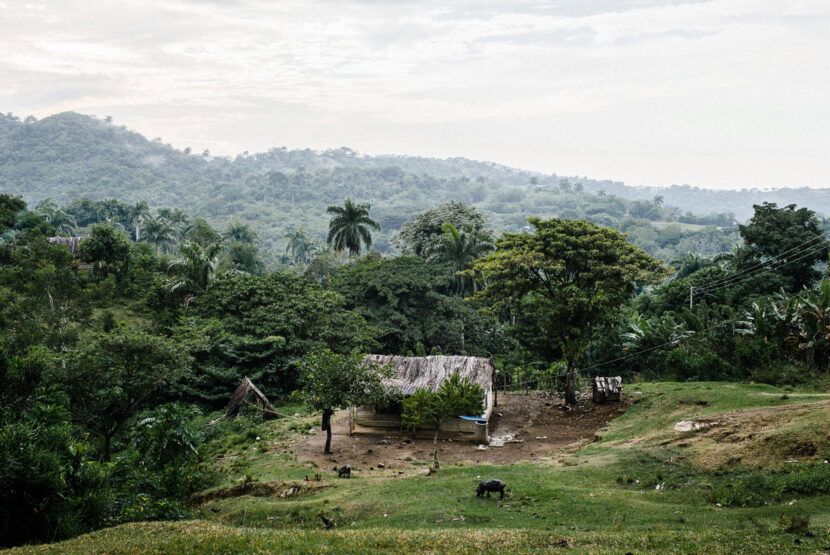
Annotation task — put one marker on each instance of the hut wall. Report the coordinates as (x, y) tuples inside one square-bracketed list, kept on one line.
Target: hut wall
[(367, 418), (414, 373)]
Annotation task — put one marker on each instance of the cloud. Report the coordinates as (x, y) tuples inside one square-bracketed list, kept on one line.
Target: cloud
[(747, 75)]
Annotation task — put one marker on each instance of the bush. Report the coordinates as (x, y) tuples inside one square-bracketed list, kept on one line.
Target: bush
[(167, 447), (698, 366), (48, 488), (792, 373)]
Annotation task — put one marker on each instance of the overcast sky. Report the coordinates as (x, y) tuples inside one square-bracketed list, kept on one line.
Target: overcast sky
[(723, 94)]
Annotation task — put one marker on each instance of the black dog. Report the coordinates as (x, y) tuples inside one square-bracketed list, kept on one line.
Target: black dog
[(345, 470), (490, 485)]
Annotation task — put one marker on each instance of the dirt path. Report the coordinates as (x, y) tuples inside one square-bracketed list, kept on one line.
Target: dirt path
[(538, 420)]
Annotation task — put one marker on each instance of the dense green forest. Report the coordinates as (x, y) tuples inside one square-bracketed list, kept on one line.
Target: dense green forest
[(117, 351), (280, 192)]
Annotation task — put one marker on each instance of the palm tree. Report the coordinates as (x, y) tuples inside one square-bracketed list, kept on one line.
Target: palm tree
[(194, 271), (458, 249), (300, 248), (135, 214), (109, 209), (240, 233), (160, 233), (349, 227), (62, 221), (690, 263), (178, 219)]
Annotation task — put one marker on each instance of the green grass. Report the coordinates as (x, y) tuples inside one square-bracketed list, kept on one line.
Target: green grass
[(203, 537), (641, 487)]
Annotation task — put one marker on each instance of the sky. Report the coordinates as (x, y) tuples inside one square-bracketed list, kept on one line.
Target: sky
[(715, 94)]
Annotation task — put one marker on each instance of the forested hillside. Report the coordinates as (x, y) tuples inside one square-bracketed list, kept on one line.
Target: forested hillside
[(278, 192)]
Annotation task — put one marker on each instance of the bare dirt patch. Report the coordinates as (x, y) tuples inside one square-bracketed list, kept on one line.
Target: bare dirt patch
[(768, 436), (538, 422)]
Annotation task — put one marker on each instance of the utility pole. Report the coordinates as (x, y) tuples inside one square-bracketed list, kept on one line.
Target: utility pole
[(691, 296)]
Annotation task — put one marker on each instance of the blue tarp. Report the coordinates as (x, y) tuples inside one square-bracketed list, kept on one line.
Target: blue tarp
[(474, 418)]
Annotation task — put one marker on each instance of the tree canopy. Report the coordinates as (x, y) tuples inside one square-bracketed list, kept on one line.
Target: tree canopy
[(330, 381), (576, 273)]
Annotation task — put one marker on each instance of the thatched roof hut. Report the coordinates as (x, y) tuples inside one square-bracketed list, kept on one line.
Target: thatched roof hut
[(413, 373)]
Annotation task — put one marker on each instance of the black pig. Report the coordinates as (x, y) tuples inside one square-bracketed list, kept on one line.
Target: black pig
[(490, 485), (345, 470)]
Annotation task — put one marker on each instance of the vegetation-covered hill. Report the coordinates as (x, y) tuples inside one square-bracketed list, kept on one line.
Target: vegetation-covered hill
[(71, 155)]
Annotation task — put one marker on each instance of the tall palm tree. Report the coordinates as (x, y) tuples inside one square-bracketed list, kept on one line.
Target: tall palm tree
[(458, 249), (135, 214), (300, 248), (160, 233), (350, 226)]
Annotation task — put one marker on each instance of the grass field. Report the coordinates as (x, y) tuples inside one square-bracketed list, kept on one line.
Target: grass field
[(751, 478)]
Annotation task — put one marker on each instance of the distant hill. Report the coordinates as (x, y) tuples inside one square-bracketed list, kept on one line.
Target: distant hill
[(71, 155)]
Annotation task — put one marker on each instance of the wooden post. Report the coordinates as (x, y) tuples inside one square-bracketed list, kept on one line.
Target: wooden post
[(481, 433)]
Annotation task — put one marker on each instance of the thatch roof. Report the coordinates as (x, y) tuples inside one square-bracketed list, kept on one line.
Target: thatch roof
[(429, 372)]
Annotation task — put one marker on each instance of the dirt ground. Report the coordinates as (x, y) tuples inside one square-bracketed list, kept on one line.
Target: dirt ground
[(538, 420)]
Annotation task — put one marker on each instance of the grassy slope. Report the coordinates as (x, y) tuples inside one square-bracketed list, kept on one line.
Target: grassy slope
[(602, 498)]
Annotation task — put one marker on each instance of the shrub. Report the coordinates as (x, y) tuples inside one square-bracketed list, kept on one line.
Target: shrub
[(698, 366)]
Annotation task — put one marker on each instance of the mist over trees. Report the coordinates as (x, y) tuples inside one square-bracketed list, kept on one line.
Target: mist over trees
[(76, 161)]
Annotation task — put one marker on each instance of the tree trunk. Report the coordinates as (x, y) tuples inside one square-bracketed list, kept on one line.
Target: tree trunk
[(435, 447), (570, 385), (327, 428), (107, 448)]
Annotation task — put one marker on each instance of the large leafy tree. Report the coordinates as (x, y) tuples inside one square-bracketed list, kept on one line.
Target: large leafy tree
[(789, 240), (422, 235), (350, 227), (455, 397), (9, 207), (408, 299), (41, 296), (116, 374), (332, 381), (108, 248), (259, 327), (243, 257), (576, 274)]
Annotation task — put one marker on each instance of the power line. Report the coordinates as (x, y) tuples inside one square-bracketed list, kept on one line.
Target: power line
[(707, 290), (710, 289), (769, 263), (785, 253)]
